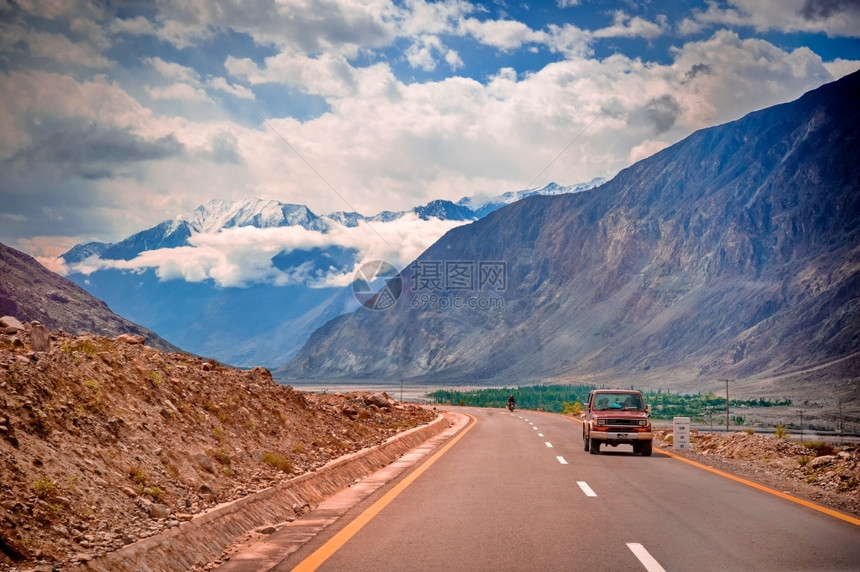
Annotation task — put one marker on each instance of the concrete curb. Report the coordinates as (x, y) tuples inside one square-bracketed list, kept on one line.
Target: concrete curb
[(202, 539)]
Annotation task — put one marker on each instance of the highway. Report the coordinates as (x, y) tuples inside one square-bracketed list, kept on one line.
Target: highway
[(518, 492)]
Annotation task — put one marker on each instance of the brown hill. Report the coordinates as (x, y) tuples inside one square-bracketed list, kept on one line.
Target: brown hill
[(105, 441), (31, 292)]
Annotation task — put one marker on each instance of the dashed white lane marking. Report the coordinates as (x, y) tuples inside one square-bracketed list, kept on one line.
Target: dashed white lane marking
[(586, 489), (540, 434), (535, 428), (548, 444), (648, 561), (561, 460)]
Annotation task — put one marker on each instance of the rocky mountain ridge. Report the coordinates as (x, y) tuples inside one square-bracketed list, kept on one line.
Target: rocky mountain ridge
[(105, 441), (732, 254), (31, 292)]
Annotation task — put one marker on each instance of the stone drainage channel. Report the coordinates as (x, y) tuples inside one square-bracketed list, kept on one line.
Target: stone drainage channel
[(343, 482)]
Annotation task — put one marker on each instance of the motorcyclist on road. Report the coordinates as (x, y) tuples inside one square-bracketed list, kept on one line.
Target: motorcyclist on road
[(511, 402)]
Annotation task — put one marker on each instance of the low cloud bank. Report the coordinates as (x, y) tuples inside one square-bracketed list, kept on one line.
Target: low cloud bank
[(240, 257)]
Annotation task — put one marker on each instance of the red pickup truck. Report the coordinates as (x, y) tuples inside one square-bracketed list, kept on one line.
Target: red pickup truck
[(616, 416)]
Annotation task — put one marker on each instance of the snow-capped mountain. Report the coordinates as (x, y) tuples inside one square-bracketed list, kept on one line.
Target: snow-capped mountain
[(273, 294), (219, 214), (211, 217), (483, 207)]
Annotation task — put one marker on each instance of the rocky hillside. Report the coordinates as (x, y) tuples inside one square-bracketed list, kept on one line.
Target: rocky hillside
[(732, 254), (825, 474), (31, 292), (104, 441)]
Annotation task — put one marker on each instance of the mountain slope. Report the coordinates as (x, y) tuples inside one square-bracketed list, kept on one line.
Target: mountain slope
[(29, 291), (258, 322), (733, 253)]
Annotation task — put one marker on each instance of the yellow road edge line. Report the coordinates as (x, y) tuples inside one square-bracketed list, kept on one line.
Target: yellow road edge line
[(324, 552), (808, 504)]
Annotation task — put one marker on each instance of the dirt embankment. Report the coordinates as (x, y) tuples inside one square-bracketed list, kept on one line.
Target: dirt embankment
[(105, 441), (826, 474)]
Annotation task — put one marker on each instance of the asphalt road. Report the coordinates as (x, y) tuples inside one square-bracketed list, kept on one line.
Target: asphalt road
[(518, 492)]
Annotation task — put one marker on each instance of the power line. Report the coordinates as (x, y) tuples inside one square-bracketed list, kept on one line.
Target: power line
[(563, 151), (318, 174)]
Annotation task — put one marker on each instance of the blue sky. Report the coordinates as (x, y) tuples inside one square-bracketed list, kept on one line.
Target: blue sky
[(116, 118)]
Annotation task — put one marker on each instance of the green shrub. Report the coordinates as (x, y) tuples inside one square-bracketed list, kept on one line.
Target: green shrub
[(781, 432), (278, 461), (572, 409), (222, 456), (138, 475), (171, 469), (821, 448), (44, 487)]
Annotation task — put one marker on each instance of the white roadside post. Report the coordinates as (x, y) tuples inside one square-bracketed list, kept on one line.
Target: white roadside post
[(680, 433)]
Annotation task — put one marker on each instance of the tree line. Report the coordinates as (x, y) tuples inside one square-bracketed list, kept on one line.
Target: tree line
[(568, 398)]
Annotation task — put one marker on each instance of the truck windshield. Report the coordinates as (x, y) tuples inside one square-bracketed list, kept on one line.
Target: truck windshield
[(626, 401)]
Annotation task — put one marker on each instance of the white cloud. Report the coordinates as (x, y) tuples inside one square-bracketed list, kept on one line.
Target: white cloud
[(56, 47), (327, 74), (29, 98), (832, 17), (178, 91), (743, 75), (138, 26), (420, 53), (625, 26), (453, 60), (58, 9), (502, 34), (172, 70), (381, 141), (570, 41), (839, 68), (239, 91), (420, 18), (242, 256)]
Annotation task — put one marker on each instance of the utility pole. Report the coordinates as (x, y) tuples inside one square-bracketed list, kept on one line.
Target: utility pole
[(840, 416), (727, 403), (801, 425)]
